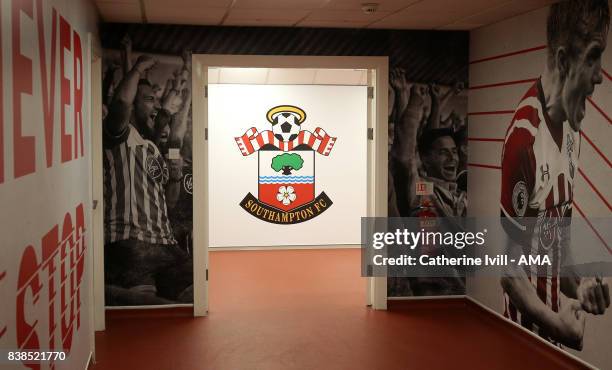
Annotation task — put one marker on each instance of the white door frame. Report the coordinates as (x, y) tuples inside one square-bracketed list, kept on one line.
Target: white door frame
[(97, 218), (378, 75)]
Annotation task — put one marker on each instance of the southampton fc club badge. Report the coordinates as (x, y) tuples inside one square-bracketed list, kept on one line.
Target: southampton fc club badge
[(286, 186)]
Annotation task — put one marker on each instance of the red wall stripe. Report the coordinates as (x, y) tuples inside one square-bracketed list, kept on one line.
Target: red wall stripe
[(484, 166), (505, 55), (606, 74), (494, 112), (592, 227), (574, 202), (485, 139), (603, 199), (600, 110), (506, 83), (596, 148)]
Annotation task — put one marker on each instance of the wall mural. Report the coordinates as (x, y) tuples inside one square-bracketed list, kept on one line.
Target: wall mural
[(538, 167), (542, 165), (427, 120), (147, 178)]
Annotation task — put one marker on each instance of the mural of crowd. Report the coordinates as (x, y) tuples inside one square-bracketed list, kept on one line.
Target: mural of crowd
[(427, 144), (147, 178)]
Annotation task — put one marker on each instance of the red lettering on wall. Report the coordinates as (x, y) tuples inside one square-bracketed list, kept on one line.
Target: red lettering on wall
[(48, 80), (1, 119), (67, 274), (50, 247), (80, 253), (70, 251), (78, 94), (23, 146), (65, 89), (27, 338), (2, 327)]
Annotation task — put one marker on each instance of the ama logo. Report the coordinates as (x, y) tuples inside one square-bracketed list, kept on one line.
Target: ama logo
[(286, 157)]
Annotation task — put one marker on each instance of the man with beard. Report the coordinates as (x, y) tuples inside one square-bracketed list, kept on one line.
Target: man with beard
[(142, 174), (539, 164)]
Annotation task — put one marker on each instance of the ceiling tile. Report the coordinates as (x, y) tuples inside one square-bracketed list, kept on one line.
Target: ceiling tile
[(407, 19), (285, 76), (279, 4), (120, 12), (338, 77), (332, 24), (213, 75), (465, 7), (505, 11), (345, 15), (184, 15), (387, 5), (364, 78), (243, 75)]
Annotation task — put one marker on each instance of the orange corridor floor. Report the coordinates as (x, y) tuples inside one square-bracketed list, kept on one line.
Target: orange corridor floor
[(305, 309)]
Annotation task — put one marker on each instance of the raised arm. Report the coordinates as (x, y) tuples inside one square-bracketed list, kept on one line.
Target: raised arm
[(120, 108), (126, 54), (404, 149), (178, 128), (439, 101)]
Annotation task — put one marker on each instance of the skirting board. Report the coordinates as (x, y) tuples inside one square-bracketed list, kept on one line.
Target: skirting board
[(498, 316), (89, 360), (529, 332), (443, 301)]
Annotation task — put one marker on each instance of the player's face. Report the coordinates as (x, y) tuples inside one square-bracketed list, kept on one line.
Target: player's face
[(584, 73), (442, 160), (145, 109)]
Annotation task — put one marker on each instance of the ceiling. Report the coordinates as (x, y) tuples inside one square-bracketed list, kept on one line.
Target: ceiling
[(287, 76), (390, 14)]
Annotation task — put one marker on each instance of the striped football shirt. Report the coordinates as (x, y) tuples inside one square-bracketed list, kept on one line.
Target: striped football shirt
[(135, 175), (539, 162)]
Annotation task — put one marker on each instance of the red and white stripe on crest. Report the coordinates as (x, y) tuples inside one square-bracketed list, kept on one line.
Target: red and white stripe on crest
[(251, 141)]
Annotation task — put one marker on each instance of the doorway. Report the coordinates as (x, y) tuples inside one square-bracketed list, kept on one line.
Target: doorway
[(274, 72)]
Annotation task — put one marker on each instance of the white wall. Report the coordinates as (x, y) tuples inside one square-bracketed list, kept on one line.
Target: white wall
[(45, 189), (517, 34), (339, 110)]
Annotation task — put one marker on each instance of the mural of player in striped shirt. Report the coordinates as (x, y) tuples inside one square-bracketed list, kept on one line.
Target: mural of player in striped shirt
[(142, 180), (539, 164)]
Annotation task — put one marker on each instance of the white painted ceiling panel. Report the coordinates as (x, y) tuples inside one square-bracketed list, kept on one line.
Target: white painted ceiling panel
[(338, 77), (243, 75), (280, 4), (386, 6), (285, 76), (213, 75), (120, 12), (345, 15)]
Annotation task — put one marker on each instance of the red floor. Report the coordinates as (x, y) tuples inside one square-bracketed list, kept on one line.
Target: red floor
[(305, 309)]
